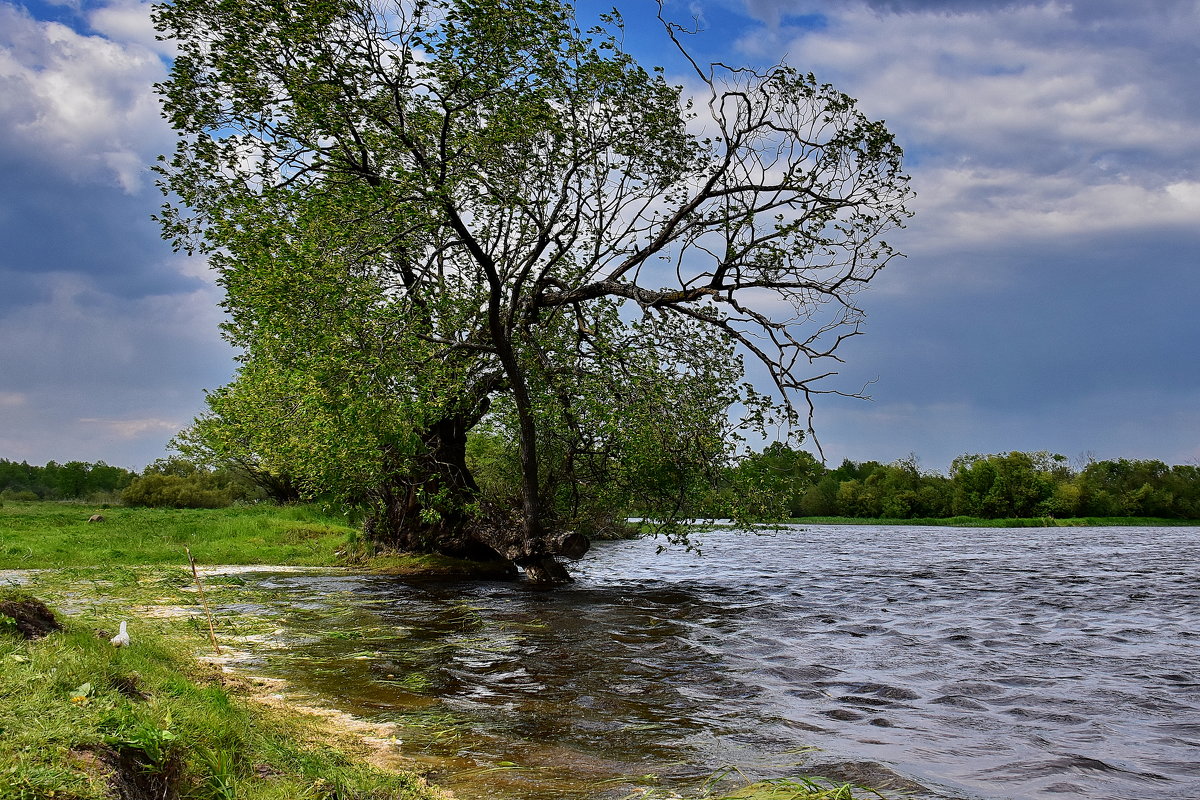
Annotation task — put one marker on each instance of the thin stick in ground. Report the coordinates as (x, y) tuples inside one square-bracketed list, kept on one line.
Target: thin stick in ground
[(212, 633)]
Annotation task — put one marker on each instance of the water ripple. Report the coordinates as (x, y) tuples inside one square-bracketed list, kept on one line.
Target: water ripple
[(985, 663)]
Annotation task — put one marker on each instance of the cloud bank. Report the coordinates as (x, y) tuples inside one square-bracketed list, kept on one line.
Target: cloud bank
[(1046, 301), (106, 337)]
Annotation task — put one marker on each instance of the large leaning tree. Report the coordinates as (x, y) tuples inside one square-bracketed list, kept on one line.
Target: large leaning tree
[(434, 215)]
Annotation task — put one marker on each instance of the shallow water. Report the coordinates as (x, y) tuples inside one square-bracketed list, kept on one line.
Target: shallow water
[(982, 663)]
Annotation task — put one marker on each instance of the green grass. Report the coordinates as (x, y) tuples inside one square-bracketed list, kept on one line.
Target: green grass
[(57, 535), (50, 535), (1024, 522), (79, 719)]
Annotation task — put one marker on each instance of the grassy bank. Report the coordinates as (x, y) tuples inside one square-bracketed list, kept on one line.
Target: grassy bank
[(56, 535), (49, 534), (94, 696), (83, 720), (1026, 522)]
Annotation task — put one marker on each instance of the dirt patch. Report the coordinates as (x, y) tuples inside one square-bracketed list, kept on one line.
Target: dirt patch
[(127, 772), (33, 619), (133, 779), (129, 685)]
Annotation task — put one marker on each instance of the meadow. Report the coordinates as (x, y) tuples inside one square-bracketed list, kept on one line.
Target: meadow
[(41, 535)]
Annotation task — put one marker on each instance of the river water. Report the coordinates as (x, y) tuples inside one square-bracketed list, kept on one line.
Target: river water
[(956, 663)]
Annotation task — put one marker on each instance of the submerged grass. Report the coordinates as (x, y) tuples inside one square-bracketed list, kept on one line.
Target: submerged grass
[(83, 720), (794, 788), (800, 789)]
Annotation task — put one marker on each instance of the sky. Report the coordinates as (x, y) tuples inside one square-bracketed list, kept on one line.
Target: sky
[(1047, 300)]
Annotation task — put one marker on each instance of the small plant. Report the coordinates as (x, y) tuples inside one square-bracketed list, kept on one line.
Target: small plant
[(221, 773), (152, 745)]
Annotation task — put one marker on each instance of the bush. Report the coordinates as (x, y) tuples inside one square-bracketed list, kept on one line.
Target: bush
[(173, 491), (19, 495)]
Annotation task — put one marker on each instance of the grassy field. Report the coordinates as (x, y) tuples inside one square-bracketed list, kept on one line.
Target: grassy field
[(49, 535)]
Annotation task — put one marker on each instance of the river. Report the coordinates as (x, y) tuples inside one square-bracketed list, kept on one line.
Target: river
[(976, 663)]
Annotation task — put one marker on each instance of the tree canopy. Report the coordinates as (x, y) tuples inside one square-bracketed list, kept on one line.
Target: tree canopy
[(54, 481), (791, 483), (432, 215)]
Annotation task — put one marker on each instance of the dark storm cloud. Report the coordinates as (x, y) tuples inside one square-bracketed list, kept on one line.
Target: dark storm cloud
[(1077, 345), (106, 337), (1075, 317), (51, 223)]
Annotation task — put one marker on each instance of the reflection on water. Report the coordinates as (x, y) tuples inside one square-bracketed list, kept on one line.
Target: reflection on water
[(979, 662)]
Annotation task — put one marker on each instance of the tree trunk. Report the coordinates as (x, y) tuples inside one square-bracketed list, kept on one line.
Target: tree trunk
[(425, 511), (438, 509)]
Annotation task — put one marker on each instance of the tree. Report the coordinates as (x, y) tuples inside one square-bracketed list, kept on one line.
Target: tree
[(1013, 485), (776, 480), (230, 448), (182, 483), (428, 214)]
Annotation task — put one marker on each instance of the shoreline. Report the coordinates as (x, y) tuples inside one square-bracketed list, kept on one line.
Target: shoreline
[(1013, 522), (156, 718)]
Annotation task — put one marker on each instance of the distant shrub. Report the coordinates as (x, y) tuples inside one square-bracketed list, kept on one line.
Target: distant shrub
[(19, 495), (173, 491)]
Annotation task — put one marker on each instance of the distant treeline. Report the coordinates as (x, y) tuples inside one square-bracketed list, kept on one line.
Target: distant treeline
[(786, 482), (777, 483), (74, 480), (170, 482)]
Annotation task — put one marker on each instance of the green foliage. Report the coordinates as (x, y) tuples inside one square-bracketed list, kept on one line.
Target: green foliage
[(54, 481), (438, 214), (1014, 486), (172, 491), (773, 484), (180, 483)]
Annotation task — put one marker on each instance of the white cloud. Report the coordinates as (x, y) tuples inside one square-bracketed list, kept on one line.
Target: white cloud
[(1019, 119), (12, 399), (969, 207), (128, 21), (132, 428), (80, 105)]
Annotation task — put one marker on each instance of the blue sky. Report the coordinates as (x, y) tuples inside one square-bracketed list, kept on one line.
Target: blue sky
[(1047, 301)]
